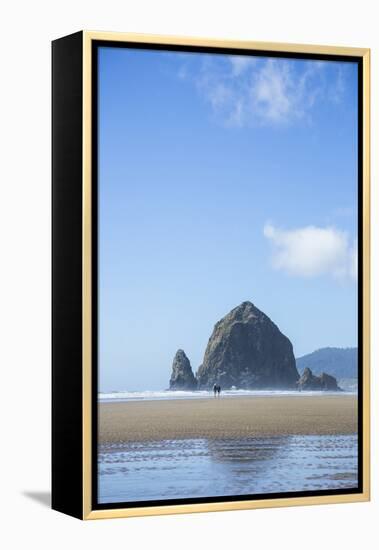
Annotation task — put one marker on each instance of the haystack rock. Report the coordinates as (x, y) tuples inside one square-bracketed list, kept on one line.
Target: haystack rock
[(248, 351), (324, 382), (182, 377)]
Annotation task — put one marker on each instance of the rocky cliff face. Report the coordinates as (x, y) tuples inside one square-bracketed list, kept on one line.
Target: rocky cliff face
[(324, 382), (182, 377), (247, 350)]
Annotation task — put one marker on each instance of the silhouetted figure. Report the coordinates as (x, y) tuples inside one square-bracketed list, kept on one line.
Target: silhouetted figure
[(218, 390), (215, 389)]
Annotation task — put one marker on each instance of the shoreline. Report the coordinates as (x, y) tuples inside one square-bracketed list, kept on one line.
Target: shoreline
[(231, 417), (165, 395)]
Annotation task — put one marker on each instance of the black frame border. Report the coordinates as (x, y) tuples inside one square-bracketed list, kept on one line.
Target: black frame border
[(67, 253)]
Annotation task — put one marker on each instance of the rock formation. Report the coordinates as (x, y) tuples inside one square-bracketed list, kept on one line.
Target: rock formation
[(325, 382), (182, 377), (248, 351)]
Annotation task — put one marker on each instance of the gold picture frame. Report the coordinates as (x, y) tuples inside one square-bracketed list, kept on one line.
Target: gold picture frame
[(71, 55)]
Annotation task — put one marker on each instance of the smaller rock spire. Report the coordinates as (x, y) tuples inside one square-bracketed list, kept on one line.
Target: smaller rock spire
[(182, 377)]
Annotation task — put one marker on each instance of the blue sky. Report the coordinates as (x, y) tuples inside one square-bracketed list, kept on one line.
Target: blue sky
[(222, 179)]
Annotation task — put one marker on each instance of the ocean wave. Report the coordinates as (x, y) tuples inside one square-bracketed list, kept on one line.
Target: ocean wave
[(200, 394)]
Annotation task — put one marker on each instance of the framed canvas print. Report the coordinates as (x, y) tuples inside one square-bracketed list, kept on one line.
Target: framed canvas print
[(210, 275)]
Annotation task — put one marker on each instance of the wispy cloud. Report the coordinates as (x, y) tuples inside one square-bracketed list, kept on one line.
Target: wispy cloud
[(337, 91), (241, 63), (245, 90), (313, 251)]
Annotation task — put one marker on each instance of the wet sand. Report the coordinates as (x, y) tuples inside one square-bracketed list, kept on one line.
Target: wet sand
[(227, 418)]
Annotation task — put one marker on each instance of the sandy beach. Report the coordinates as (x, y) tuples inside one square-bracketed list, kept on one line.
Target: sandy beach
[(227, 418)]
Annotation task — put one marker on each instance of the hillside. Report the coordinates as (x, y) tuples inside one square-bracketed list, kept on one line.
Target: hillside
[(339, 362)]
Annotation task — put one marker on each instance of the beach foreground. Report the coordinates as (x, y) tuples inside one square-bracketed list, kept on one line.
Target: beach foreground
[(227, 418)]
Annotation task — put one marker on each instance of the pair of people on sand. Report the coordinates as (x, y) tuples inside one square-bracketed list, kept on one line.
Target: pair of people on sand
[(216, 390)]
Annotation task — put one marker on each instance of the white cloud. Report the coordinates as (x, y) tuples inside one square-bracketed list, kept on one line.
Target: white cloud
[(354, 261), (273, 94), (245, 90), (313, 251)]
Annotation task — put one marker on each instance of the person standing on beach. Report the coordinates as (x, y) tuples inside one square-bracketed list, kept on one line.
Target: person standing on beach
[(215, 389), (219, 390)]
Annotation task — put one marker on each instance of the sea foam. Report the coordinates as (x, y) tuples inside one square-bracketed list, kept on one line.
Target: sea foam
[(201, 394)]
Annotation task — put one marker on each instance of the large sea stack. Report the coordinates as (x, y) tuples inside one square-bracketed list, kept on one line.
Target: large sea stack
[(182, 377), (248, 351)]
